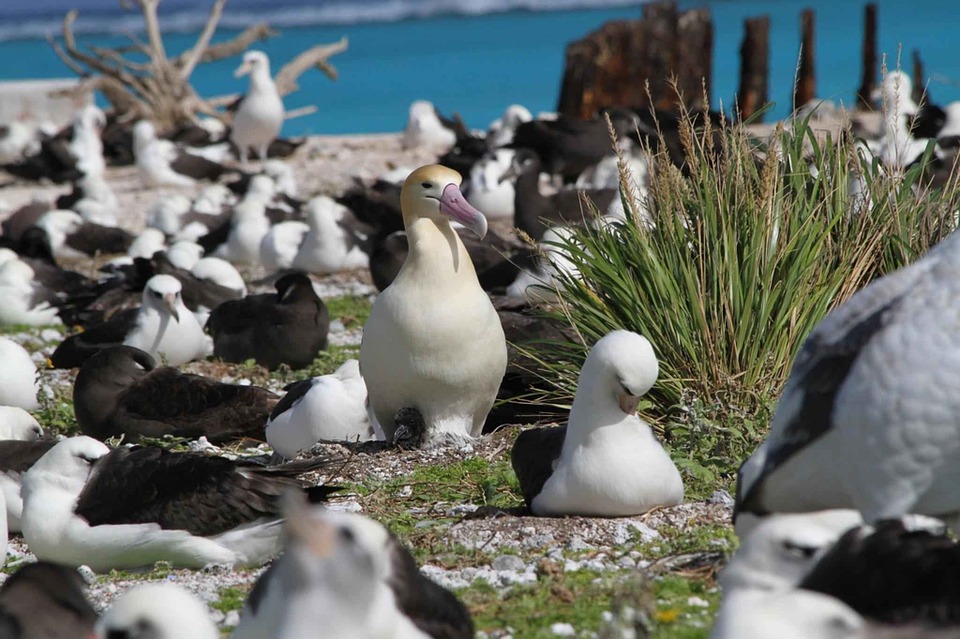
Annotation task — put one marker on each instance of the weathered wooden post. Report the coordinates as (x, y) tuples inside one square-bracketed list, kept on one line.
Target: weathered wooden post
[(695, 65), (868, 81), (754, 66), (919, 82), (613, 65), (806, 86)]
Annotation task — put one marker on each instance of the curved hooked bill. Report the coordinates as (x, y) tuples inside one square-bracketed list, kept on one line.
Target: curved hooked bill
[(453, 203), (628, 402)]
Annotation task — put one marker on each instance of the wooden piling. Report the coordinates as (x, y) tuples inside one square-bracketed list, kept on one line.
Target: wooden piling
[(612, 65), (919, 93), (806, 86), (695, 64), (868, 79), (754, 66)]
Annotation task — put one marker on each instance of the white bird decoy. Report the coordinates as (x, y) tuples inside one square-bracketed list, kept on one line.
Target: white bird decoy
[(347, 574), (489, 193), (279, 246), (334, 240), (17, 424), (259, 116), (164, 327), (434, 342), (86, 145), (22, 298), (500, 133), (871, 387), (153, 157), (543, 282), (148, 242), (326, 407), (158, 611), (165, 214), (221, 272), (424, 128), (184, 254), (18, 375), (606, 462)]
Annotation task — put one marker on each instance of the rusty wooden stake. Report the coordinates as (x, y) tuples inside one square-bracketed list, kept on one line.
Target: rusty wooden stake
[(806, 87), (754, 66), (868, 81)]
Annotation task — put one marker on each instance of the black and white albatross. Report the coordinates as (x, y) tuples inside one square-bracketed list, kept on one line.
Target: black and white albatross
[(84, 504)]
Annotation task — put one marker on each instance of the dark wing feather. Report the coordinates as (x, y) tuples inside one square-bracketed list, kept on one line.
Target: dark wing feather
[(166, 401), (18, 456), (533, 456), (433, 609), (821, 368), (47, 600), (893, 575), (295, 393), (76, 349), (95, 239), (197, 167), (202, 494)]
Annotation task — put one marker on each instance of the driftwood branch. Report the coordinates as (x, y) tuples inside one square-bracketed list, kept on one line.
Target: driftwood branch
[(316, 57), (194, 54), (160, 89), (239, 44), (299, 113)]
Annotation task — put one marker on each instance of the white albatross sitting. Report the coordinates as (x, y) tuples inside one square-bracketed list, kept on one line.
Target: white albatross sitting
[(259, 116), (433, 346), (84, 504), (326, 407), (157, 611), (606, 462), (869, 418), (333, 241), (425, 128), (18, 376), (348, 575)]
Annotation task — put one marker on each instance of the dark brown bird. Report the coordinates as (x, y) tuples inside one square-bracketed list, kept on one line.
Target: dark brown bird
[(120, 391), (289, 327), (45, 600)]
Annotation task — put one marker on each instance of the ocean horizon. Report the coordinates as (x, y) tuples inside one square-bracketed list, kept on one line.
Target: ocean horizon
[(477, 58)]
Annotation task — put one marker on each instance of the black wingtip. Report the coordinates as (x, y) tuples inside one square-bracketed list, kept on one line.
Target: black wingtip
[(319, 494)]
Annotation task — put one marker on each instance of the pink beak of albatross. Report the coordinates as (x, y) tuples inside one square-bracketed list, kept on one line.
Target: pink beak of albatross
[(453, 203)]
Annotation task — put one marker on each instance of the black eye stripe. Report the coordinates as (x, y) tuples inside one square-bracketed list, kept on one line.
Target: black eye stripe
[(427, 185)]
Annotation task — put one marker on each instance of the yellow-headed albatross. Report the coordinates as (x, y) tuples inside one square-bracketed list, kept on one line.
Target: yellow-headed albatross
[(433, 345)]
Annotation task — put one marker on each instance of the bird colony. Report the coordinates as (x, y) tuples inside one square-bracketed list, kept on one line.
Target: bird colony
[(172, 455)]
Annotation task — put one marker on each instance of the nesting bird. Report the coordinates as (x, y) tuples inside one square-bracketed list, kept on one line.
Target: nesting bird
[(157, 610), (433, 343), (84, 504), (347, 574), (334, 241), (606, 461), (162, 326), (326, 407), (871, 385), (47, 600), (120, 391), (425, 128), (259, 115), (289, 327), (18, 376)]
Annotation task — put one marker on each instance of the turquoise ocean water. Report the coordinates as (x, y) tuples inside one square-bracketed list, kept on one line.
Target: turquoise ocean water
[(503, 52)]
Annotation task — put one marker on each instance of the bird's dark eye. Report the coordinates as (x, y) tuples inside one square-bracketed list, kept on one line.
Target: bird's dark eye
[(427, 185), (347, 535), (157, 293), (799, 551)]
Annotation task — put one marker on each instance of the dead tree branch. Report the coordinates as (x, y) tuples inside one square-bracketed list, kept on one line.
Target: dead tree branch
[(239, 44), (194, 54), (316, 57)]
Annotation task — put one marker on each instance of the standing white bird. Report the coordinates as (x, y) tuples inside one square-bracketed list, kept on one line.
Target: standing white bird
[(157, 610), (326, 407), (434, 342), (869, 418), (424, 128), (334, 240), (348, 575), (259, 116), (607, 461), (86, 144), (18, 375)]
